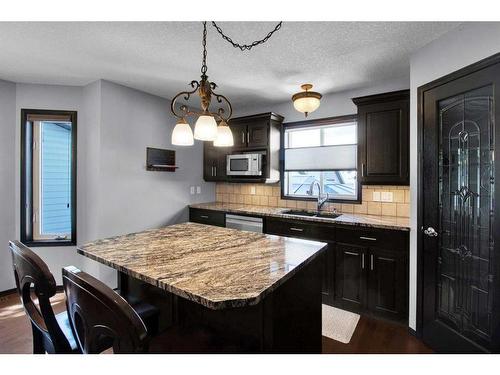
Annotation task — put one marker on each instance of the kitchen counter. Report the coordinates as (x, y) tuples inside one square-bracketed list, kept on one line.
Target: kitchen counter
[(373, 221), (215, 267)]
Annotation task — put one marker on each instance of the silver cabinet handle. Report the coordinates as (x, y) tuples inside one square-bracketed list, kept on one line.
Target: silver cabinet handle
[(242, 137), (363, 170), (363, 261), (431, 232), (248, 137), (204, 216), (297, 229), (371, 262), (367, 238), (215, 169)]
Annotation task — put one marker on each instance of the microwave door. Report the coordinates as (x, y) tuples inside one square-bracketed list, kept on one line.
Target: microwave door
[(239, 166)]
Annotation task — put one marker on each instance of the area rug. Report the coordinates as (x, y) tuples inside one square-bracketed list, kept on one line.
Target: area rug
[(339, 324)]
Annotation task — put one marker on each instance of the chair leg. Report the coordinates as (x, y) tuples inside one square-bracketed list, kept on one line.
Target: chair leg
[(38, 347)]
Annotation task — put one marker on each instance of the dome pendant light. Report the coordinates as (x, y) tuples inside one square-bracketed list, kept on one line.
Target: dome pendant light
[(205, 128), (306, 101)]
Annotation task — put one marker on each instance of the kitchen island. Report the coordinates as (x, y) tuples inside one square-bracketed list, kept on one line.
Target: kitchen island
[(262, 291)]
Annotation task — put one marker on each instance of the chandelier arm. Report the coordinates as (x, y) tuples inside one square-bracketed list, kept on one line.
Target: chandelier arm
[(220, 111), (247, 47), (184, 109)]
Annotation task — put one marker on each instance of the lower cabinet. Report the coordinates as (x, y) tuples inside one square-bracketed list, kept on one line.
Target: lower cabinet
[(372, 279)]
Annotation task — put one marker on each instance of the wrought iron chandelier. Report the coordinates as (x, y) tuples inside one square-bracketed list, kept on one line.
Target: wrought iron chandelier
[(206, 128)]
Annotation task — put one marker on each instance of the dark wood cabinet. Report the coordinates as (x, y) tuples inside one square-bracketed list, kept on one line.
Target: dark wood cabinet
[(372, 272), (350, 280), (260, 133), (383, 138), (214, 162), (210, 217)]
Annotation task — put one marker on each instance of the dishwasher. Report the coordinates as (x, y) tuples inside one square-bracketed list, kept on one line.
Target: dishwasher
[(248, 223)]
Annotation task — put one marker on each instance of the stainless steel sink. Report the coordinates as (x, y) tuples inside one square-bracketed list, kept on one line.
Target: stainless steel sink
[(330, 215)]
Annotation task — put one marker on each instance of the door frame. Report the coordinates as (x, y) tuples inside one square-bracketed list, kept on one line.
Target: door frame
[(479, 65)]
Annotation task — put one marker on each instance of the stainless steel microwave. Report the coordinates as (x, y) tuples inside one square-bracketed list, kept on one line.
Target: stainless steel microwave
[(244, 165)]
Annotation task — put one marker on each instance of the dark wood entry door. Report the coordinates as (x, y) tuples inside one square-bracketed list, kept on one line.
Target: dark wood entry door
[(460, 211)]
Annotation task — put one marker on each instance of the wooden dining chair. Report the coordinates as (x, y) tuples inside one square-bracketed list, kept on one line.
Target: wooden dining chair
[(99, 314), (51, 333)]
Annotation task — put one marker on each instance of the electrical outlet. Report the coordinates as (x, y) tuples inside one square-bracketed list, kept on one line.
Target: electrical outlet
[(191, 190), (252, 190), (376, 196), (198, 189), (386, 196)]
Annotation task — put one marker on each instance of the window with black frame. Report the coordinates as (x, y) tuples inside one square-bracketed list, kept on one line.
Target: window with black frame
[(48, 177), (324, 151)]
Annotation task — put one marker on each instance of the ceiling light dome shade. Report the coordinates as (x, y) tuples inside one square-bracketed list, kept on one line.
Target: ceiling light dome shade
[(182, 134), (205, 128), (306, 101), (224, 136)]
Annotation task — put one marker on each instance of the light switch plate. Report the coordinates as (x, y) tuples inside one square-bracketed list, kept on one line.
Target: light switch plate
[(376, 196), (252, 190), (386, 196), (191, 190), (198, 189)]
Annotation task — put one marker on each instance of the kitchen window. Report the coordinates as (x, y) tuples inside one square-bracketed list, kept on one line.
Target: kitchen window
[(321, 150), (48, 177)]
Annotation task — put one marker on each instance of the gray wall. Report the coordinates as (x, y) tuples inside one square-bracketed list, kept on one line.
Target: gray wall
[(115, 194), (454, 50), (7, 179)]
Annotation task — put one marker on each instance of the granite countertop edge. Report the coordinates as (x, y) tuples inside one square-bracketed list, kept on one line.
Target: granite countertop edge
[(264, 211)]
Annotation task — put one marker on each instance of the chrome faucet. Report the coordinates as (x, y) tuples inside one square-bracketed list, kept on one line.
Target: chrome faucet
[(322, 198)]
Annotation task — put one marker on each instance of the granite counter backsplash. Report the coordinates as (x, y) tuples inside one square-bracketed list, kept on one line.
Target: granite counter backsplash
[(269, 195), (373, 221)]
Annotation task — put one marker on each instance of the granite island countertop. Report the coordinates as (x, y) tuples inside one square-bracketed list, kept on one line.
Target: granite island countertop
[(216, 267), (373, 221)]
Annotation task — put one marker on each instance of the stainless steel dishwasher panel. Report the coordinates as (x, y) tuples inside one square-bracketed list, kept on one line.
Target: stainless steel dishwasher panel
[(248, 223)]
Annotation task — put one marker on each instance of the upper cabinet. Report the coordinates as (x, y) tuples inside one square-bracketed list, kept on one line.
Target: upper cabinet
[(260, 133), (383, 138)]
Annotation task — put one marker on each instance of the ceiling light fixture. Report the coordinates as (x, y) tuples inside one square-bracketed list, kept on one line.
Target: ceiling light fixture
[(205, 128), (306, 101)]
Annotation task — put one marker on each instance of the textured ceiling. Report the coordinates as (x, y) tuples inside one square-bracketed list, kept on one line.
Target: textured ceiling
[(163, 57)]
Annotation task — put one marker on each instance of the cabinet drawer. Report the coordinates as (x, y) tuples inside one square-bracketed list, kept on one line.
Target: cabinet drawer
[(207, 217), (381, 238), (300, 229)]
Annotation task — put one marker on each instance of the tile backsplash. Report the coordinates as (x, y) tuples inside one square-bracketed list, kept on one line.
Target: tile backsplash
[(376, 200)]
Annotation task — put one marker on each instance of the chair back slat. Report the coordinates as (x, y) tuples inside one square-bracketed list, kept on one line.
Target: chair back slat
[(32, 275), (98, 314)]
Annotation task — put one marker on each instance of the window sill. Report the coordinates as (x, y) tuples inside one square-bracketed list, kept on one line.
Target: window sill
[(48, 243), (312, 199)]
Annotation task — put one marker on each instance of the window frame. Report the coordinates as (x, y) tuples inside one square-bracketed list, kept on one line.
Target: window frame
[(26, 186), (315, 123)]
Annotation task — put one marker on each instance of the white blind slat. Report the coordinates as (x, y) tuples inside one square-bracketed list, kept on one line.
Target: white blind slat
[(339, 157)]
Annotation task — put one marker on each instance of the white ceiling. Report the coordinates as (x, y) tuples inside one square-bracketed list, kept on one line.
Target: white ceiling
[(163, 57)]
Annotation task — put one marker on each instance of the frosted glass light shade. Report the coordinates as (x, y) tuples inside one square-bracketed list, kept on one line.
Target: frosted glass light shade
[(182, 135), (205, 128), (307, 104), (224, 136)]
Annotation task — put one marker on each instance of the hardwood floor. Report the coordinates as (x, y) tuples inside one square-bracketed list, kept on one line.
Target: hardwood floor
[(371, 335)]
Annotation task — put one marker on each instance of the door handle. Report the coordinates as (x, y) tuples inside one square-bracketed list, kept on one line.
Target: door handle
[(242, 138), (371, 262), (204, 216), (363, 261), (215, 169), (363, 170), (431, 232), (297, 229), (248, 137)]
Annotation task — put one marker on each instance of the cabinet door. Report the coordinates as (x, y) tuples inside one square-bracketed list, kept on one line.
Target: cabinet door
[(258, 134), (327, 289), (387, 283), (214, 162), (384, 142), (350, 280), (239, 131)]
